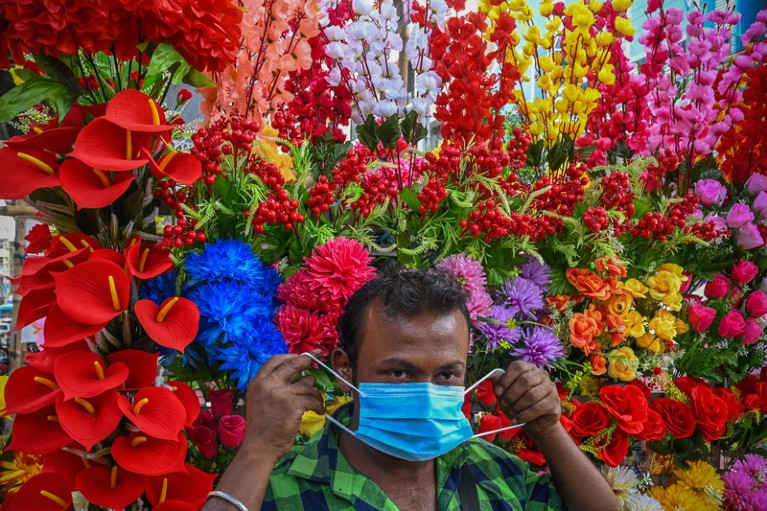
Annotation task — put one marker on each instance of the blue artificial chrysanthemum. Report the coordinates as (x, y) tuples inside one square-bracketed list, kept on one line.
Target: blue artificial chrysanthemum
[(522, 297), (540, 346), (160, 288), (245, 355), (234, 260)]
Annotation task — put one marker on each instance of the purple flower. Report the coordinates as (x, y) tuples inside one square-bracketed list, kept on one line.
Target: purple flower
[(540, 347), (744, 488), (749, 237), (760, 205), (522, 296), (710, 192), (471, 276), (500, 329), (537, 272), (739, 215), (756, 183), (753, 465), (719, 223)]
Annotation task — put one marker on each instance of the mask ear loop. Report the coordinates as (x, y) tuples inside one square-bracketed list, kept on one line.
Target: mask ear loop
[(491, 374), (329, 369)]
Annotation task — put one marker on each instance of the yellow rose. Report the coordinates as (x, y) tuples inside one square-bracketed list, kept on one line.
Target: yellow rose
[(650, 342), (675, 269), (311, 423), (663, 283), (635, 288), (336, 404), (681, 327), (634, 324), (620, 304), (664, 325), (673, 301), (623, 364)]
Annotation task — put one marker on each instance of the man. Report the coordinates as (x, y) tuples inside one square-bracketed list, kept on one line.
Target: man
[(409, 329)]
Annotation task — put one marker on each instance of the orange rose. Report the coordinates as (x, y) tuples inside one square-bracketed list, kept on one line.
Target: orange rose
[(598, 364), (589, 284), (611, 266), (559, 302), (620, 304), (583, 331)]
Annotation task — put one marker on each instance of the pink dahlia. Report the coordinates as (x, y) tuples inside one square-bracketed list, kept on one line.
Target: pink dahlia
[(470, 274), (338, 269)]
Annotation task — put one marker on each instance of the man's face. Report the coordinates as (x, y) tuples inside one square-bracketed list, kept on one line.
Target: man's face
[(421, 348)]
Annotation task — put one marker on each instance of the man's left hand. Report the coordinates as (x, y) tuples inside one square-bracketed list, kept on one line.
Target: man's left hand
[(527, 395)]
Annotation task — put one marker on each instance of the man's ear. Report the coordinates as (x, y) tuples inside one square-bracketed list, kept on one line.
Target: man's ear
[(343, 366)]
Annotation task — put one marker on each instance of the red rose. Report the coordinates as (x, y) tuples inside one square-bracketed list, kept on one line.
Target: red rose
[(701, 317), (687, 383), (232, 430), (757, 400), (221, 402), (732, 324), (485, 393), (588, 419), (676, 416), (205, 439), (744, 272), (641, 386), (39, 239), (734, 407), (654, 428), (183, 96), (710, 412), (751, 332), (467, 407), (206, 419), (612, 449), (627, 404), (756, 304), (717, 288)]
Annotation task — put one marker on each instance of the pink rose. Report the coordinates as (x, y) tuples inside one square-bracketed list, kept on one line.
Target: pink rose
[(760, 206), (751, 332), (756, 183), (205, 439), (232, 430), (749, 237), (732, 324), (756, 304), (739, 215), (701, 317), (710, 192), (221, 402), (717, 288), (744, 272)]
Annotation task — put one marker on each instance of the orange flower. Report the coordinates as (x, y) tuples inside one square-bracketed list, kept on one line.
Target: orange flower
[(611, 266), (598, 364), (589, 284), (559, 302), (583, 331), (620, 304)]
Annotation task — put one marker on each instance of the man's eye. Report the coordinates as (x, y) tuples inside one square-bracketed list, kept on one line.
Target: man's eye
[(399, 375), (447, 376)]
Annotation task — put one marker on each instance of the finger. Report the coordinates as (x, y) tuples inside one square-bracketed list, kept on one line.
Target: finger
[(531, 413), (513, 372), (289, 369), (311, 404), (514, 403), (511, 391), (273, 362)]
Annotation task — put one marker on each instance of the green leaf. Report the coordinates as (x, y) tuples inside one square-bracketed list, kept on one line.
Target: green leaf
[(641, 206), (412, 130), (367, 133), (535, 155), (411, 198), (197, 79), (389, 132), (166, 58), (33, 92)]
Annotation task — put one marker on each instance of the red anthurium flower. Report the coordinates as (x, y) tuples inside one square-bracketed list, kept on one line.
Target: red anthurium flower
[(135, 111), (192, 487), (29, 389), (188, 398), (112, 489), (43, 492), (38, 432), (64, 464), (71, 243), (60, 330), (35, 305), (143, 454), (175, 505), (156, 411), (26, 170), (182, 167), (93, 292), (89, 420), (45, 360), (37, 273), (142, 367), (87, 375), (147, 260), (106, 146), (55, 140), (90, 187), (107, 254), (173, 325)]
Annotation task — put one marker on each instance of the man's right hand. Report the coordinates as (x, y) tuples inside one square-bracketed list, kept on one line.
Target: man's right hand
[(276, 402)]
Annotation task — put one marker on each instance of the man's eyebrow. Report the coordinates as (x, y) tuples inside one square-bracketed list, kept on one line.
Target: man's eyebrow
[(458, 364), (399, 362)]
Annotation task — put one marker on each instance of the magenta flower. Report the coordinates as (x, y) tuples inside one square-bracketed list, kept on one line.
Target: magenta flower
[(760, 206), (471, 276), (749, 237), (710, 192), (756, 183), (739, 215)]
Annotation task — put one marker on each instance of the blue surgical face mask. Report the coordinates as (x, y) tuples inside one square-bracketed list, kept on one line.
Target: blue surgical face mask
[(412, 421)]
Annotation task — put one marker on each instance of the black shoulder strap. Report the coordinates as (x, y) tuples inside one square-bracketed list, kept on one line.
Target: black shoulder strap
[(467, 490)]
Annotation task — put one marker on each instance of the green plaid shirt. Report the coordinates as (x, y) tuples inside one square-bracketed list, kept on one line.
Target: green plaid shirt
[(317, 476)]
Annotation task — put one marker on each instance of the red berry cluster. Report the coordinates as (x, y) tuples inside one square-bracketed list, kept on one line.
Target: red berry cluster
[(656, 225), (706, 231), (278, 208), (321, 196), (377, 186), (617, 194), (654, 176), (183, 233), (566, 190), (517, 148), (596, 219), (227, 136)]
